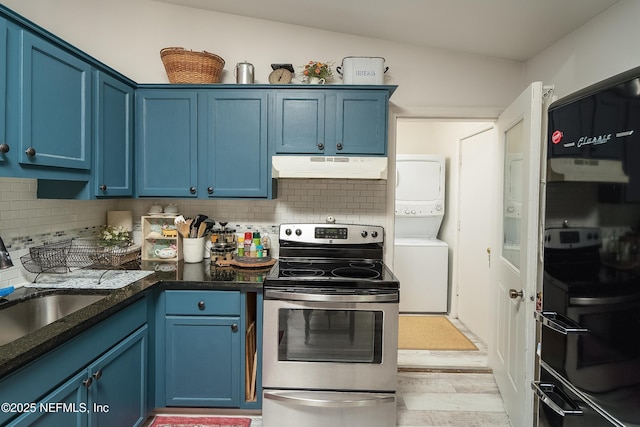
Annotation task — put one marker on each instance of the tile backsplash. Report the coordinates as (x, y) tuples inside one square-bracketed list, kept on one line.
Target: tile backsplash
[(27, 221)]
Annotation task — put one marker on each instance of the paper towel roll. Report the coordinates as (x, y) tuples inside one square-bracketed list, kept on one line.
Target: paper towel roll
[(120, 218)]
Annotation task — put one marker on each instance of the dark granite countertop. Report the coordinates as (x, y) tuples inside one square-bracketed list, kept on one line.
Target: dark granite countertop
[(168, 275)]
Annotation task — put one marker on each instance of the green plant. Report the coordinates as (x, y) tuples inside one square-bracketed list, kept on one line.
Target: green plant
[(114, 235), (322, 70)]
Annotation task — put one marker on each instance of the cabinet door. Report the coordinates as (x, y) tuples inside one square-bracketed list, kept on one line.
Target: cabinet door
[(113, 126), (299, 122), (65, 406), (4, 144), (237, 162), (203, 361), (361, 123), (117, 395), (55, 106), (166, 143)]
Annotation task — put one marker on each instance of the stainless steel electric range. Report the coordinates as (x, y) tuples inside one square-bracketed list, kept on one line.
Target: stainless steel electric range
[(330, 329)]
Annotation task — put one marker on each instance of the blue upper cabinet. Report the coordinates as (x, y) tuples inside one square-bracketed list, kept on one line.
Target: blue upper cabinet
[(113, 137), (235, 150), (206, 143), (331, 121), (55, 106), (167, 143), (361, 123), (299, 122)]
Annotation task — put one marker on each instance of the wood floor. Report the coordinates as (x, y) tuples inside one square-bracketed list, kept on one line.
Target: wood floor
[(448, 388)]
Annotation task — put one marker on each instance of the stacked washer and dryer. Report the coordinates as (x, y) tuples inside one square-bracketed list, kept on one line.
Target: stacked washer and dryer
[(420, 259)]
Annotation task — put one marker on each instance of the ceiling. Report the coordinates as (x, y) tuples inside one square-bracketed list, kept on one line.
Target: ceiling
[(508, 29)]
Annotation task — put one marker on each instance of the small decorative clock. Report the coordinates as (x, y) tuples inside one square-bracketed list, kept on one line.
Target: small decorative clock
[(281, 74)]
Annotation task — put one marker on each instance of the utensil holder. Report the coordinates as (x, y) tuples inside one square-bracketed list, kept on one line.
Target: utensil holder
[(193, 249)]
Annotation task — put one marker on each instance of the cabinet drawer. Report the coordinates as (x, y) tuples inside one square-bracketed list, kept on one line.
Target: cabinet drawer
[(203, 303)]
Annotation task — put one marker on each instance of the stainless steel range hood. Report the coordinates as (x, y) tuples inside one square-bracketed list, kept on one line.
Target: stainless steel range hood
[(586, 170), (343, 167)]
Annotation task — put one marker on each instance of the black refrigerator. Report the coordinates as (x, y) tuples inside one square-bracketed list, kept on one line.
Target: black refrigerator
[(589, 318)]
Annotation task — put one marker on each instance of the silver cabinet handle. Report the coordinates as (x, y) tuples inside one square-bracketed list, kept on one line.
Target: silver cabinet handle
[(543, 390), (327, 403), (31, 152), (559, 323), (87, 382)]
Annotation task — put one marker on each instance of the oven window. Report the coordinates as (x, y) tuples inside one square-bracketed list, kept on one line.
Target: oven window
[(339, 336)]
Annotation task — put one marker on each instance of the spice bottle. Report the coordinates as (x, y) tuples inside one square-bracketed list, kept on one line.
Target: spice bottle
[(259, 251), (266, 244), (252, 250), (247, 244), (256, 237), (240, 246)]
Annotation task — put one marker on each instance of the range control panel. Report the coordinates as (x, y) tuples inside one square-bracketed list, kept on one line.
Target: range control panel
[(332, 233), (572, 238)]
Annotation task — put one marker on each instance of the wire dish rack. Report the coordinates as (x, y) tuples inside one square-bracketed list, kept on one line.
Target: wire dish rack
[(61, 257)]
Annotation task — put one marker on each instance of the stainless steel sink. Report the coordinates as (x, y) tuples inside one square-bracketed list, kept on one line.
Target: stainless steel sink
[(29, 315)]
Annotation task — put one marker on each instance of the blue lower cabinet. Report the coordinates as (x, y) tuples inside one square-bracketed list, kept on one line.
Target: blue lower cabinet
[(65, 406), (118, 392), (110, 392), (203, 361), (98, 378), (201, 350)]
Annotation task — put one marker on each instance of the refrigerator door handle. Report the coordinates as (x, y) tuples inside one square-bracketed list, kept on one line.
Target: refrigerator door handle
[(543, 390), (559, 323)]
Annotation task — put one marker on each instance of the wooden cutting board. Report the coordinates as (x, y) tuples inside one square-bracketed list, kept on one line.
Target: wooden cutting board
[(266, 262)]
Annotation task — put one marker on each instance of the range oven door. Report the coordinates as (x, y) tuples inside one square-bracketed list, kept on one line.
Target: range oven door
[(315, 341)]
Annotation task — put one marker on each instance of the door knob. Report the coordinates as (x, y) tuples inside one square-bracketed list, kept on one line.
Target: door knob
[(320, 146), (192, 190), (513, 294), (234, 327), (4, 148), (30, 151), (201, 305), (103, 187), (87, 382)]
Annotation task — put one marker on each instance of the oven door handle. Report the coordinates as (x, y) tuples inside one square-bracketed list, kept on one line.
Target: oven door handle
[(290, 397), (559, 323), (302, 296), (543, 390)]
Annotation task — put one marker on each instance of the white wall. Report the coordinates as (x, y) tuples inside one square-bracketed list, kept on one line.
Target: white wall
[(128, 35), (603, 47)]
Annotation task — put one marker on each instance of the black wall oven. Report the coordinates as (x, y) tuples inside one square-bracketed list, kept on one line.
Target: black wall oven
[(330, 329), (590, 316)]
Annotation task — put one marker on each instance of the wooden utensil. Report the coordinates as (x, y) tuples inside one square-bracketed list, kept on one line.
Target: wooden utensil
[(201, 229)]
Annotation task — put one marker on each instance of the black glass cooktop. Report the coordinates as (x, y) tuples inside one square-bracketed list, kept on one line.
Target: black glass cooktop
[(335, 271)]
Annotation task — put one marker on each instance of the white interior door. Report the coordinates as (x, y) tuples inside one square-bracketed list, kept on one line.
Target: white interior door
[(513, 261), (477, 155)]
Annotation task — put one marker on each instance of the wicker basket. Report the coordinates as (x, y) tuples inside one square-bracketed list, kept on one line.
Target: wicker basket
[(186, 66)]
